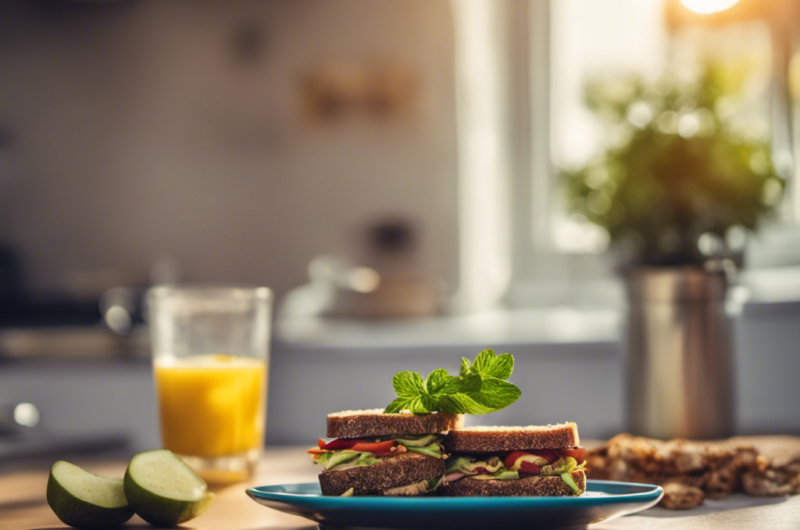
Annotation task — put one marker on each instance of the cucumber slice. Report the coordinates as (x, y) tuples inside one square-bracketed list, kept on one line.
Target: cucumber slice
[(85, 500), (567, 477), (163, 490)]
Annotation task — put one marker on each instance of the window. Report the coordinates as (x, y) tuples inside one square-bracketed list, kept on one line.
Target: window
[(522, 70)]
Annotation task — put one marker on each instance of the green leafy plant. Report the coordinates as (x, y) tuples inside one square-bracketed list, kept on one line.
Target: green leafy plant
[(479, 388), (681, 161)]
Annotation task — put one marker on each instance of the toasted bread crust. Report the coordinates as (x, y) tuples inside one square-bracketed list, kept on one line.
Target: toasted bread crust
[(400, 470), (361, 423), (524, 487), (500, 439)]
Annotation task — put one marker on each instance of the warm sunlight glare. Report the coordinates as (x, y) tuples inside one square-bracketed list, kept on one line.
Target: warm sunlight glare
[(706, 7)]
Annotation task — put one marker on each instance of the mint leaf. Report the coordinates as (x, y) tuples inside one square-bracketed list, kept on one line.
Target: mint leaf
[(483, 362), (398, 405), (489, 365), (408, 384), (420, 404), (427, 403), (437, 380), (460, 404), (464, 366), (480, 387), (496, 394), (466, 384), (502, 366)]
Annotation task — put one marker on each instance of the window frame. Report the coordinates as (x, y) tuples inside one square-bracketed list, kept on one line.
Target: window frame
[(541, 273)]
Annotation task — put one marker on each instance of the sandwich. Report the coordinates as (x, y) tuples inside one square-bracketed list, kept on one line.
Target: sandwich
[(375, 453), (515, 461)]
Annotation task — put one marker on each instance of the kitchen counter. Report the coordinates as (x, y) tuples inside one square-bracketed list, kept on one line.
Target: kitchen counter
[(23, 505)]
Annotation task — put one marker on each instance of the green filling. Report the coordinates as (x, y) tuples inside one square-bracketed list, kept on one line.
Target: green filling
[(417, 488), (561, 466), (435, 482), (434, 450), (346, 459), (428, 439), (567, 477), (468, 464), (503, 474), (429, 444)]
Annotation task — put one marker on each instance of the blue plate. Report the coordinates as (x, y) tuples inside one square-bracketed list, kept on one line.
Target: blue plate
[(602, 501)]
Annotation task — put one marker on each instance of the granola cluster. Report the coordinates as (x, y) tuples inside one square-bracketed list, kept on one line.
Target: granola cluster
[(695, 470)]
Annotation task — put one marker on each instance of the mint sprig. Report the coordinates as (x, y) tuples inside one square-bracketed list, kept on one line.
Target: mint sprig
[(479, 388)]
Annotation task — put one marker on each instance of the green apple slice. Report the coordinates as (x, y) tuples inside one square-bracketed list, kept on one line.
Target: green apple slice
[(163, 490), (85, 500)]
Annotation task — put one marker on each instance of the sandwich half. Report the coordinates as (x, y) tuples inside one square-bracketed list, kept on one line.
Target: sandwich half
[(515, 461), (383, 454)]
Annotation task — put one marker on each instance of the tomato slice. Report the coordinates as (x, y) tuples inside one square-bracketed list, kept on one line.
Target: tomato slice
[(339, 443), (524, 466), (578, 453), (529, 467), (512, 458), (547, 454), (377, 448), (316, 451)]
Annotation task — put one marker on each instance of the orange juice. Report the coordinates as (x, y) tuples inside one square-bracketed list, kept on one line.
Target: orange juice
[(211, 405)]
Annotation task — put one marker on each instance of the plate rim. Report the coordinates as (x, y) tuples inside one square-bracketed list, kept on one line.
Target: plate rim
[(654, 493)]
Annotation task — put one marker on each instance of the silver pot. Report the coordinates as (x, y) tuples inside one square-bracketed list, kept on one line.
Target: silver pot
[(681, 362)]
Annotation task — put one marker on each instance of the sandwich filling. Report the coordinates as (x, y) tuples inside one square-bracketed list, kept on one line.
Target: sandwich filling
[(517, 465), (345, 453), (418, 488)]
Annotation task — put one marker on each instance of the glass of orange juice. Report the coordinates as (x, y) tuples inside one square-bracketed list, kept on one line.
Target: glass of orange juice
[(210, 361)]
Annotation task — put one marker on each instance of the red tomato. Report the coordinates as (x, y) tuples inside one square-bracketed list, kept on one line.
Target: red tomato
[(512, 458), (524, 466), (339, 443), (529, 467), (547, 454), (377, 448), (578, 453)]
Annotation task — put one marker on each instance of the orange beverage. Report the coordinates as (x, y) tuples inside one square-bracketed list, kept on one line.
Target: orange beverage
[(211, 405)]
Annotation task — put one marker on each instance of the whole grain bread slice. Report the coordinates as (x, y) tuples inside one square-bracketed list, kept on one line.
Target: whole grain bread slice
[(401, 470), (500, 439), (536, 486), (361, 423)]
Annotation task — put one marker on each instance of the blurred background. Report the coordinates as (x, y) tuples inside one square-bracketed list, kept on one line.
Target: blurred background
[(416, 181)]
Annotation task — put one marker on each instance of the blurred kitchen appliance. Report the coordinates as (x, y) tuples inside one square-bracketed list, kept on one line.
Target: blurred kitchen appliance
[(386, 283), (681, 362)]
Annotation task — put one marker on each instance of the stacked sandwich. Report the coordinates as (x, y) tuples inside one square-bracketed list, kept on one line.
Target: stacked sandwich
[(403, 454), (515, 461), (418, 446), (383, 454)]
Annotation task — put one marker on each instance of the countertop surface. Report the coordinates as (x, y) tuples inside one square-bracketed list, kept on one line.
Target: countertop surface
[(23, 505)]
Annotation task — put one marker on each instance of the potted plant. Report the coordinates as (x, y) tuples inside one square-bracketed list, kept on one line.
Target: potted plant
[(683, 176)]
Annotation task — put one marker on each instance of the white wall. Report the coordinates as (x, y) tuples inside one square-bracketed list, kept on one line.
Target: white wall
[(136, 136)]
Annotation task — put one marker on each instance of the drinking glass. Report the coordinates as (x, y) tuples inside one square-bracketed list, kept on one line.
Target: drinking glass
[(210, 363)]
